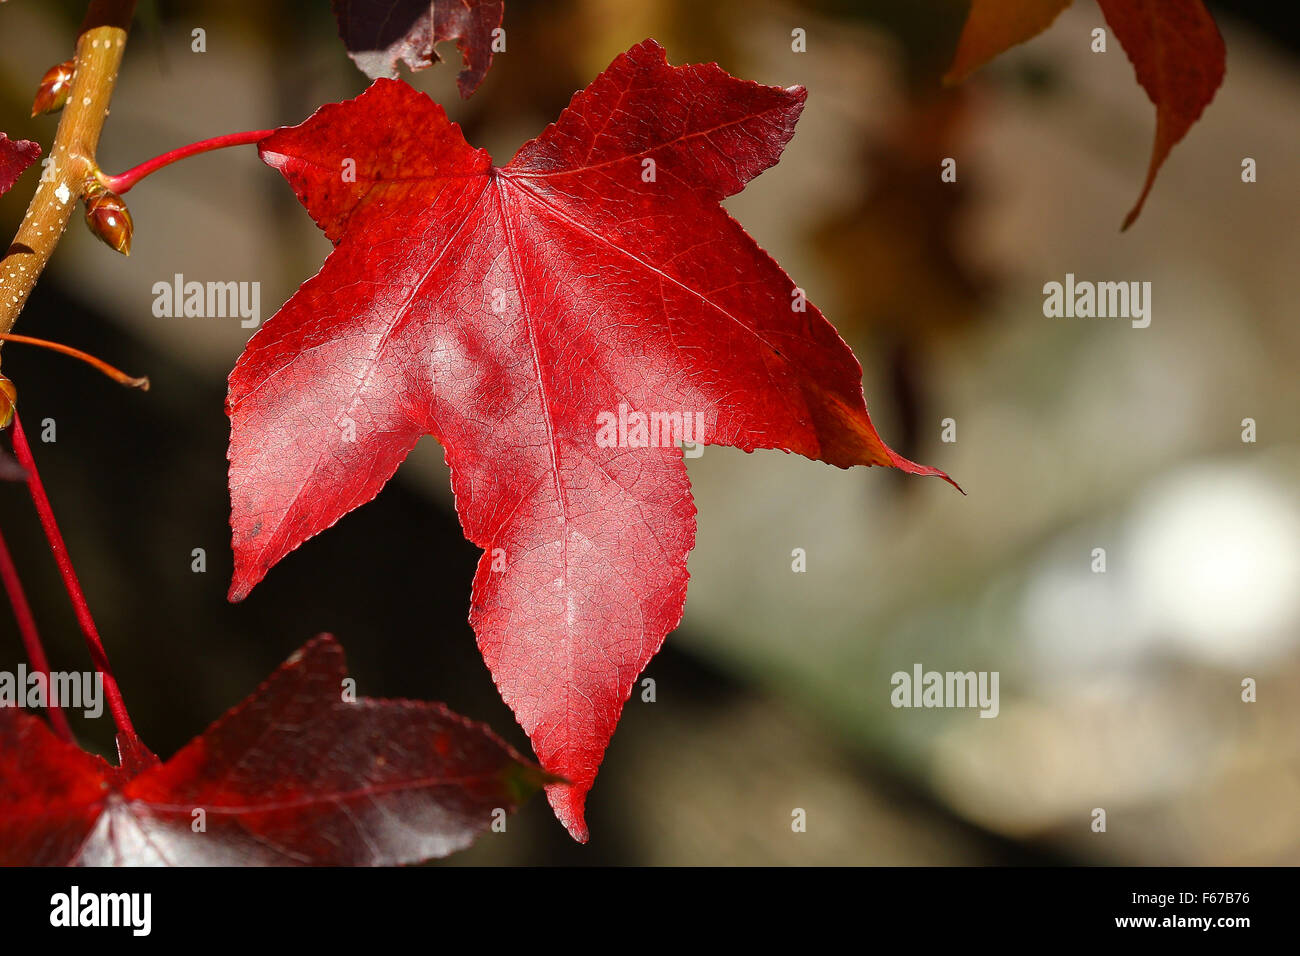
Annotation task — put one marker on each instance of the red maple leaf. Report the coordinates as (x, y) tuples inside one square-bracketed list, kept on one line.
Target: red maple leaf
[(525, 317), (293, 775), (15, 156), (379, 33), (1179, 57), (1174, 46)]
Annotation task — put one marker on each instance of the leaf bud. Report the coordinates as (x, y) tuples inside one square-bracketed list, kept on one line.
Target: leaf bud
[(8, 402), (52, 94), (108, 217)]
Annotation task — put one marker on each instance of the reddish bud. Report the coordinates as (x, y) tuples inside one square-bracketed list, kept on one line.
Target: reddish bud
[(108, 218), (8, 402), (52, 94)]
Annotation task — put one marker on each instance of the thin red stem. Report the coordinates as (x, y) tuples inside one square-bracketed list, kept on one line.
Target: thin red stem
[(124, 181), (116, 374), (134, 753), (31, 637)]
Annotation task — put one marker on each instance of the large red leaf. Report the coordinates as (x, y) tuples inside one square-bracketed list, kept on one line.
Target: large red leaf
[(502, 311), (293, 775), (379, 33), (1174, 46), (15, 156)]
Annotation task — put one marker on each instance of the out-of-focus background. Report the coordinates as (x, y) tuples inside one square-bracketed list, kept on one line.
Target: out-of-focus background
[(1119, 690)]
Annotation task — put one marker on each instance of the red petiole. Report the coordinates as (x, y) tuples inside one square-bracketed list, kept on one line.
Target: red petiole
[(124, 181), (31, 637), (115, 374), (133, 753)]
